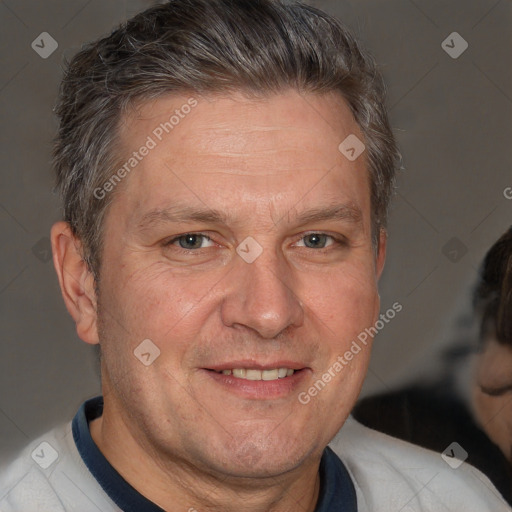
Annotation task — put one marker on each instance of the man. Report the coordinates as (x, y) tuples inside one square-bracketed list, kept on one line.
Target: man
[(226, 167)]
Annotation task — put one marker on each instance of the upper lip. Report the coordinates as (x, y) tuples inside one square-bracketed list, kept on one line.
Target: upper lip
[(253, 365)]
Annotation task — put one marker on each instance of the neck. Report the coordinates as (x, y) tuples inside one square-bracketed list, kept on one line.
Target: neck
[(178, 484)]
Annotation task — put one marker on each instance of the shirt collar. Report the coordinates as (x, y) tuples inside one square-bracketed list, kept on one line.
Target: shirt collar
[(337, 492)]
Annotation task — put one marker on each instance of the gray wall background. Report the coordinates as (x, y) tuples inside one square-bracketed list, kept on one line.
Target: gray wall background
[(452, 118)]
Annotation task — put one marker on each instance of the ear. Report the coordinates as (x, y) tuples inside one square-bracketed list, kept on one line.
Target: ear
[(76, 281), (381, 253)]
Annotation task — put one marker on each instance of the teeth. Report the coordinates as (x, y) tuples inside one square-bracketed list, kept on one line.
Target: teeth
[(252, 374), (269, 374)]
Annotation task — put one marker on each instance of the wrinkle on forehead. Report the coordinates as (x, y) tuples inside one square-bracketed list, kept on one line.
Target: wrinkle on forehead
[(270, 155)]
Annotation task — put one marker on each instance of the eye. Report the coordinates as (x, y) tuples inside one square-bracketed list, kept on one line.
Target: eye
[(320, 240), (496, 391), (190, 241)]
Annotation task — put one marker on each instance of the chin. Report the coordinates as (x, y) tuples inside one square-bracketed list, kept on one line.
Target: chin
[(257, 458)]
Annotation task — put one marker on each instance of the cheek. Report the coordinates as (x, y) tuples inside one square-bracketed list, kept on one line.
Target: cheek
[(495, 418), (343, 310), (149, 304), (347, 300), (154, 300)]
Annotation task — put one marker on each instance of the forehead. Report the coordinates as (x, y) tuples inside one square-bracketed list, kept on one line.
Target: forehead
[(496, 354), (278, 149)]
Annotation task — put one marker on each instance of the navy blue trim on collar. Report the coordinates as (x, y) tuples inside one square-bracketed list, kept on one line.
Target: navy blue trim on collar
[(114, 485), (337, 492)]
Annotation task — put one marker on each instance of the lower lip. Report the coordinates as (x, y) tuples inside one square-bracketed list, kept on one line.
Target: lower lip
[(260, 389)]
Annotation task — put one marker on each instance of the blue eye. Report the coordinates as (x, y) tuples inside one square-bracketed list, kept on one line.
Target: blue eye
[(320, 241), (190, 241), (317, 240), (197, 241)]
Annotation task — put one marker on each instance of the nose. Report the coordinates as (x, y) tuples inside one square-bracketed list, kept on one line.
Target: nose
[(261, 296)]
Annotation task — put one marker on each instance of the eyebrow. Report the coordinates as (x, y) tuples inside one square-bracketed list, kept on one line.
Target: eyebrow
[(186, 213)]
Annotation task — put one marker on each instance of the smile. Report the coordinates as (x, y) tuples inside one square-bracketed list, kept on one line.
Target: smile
[(253, 374)]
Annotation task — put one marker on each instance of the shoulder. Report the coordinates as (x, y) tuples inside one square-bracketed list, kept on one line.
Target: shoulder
[(390, 474), (49, 475)]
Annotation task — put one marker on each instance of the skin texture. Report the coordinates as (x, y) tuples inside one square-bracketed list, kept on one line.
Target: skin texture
[(492, 394), (172, 429)]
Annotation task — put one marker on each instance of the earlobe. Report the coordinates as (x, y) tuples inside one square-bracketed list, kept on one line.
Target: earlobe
[(76, 281), (381, 253)]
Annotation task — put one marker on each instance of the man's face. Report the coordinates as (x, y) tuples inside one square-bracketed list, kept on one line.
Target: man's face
[(492, 394), (177, 279)]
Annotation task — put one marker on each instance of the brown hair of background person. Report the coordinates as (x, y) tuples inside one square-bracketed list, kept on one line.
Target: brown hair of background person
[(492, 390), (493, 294)]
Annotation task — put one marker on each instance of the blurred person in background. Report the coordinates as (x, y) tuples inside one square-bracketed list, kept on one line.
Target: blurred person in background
[(469, 400)]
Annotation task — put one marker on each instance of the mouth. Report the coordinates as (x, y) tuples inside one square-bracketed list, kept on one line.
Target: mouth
[(248, 379), (255, 374)]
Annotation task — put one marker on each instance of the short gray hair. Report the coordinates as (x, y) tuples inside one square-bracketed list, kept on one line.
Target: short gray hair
[(207, 46)]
